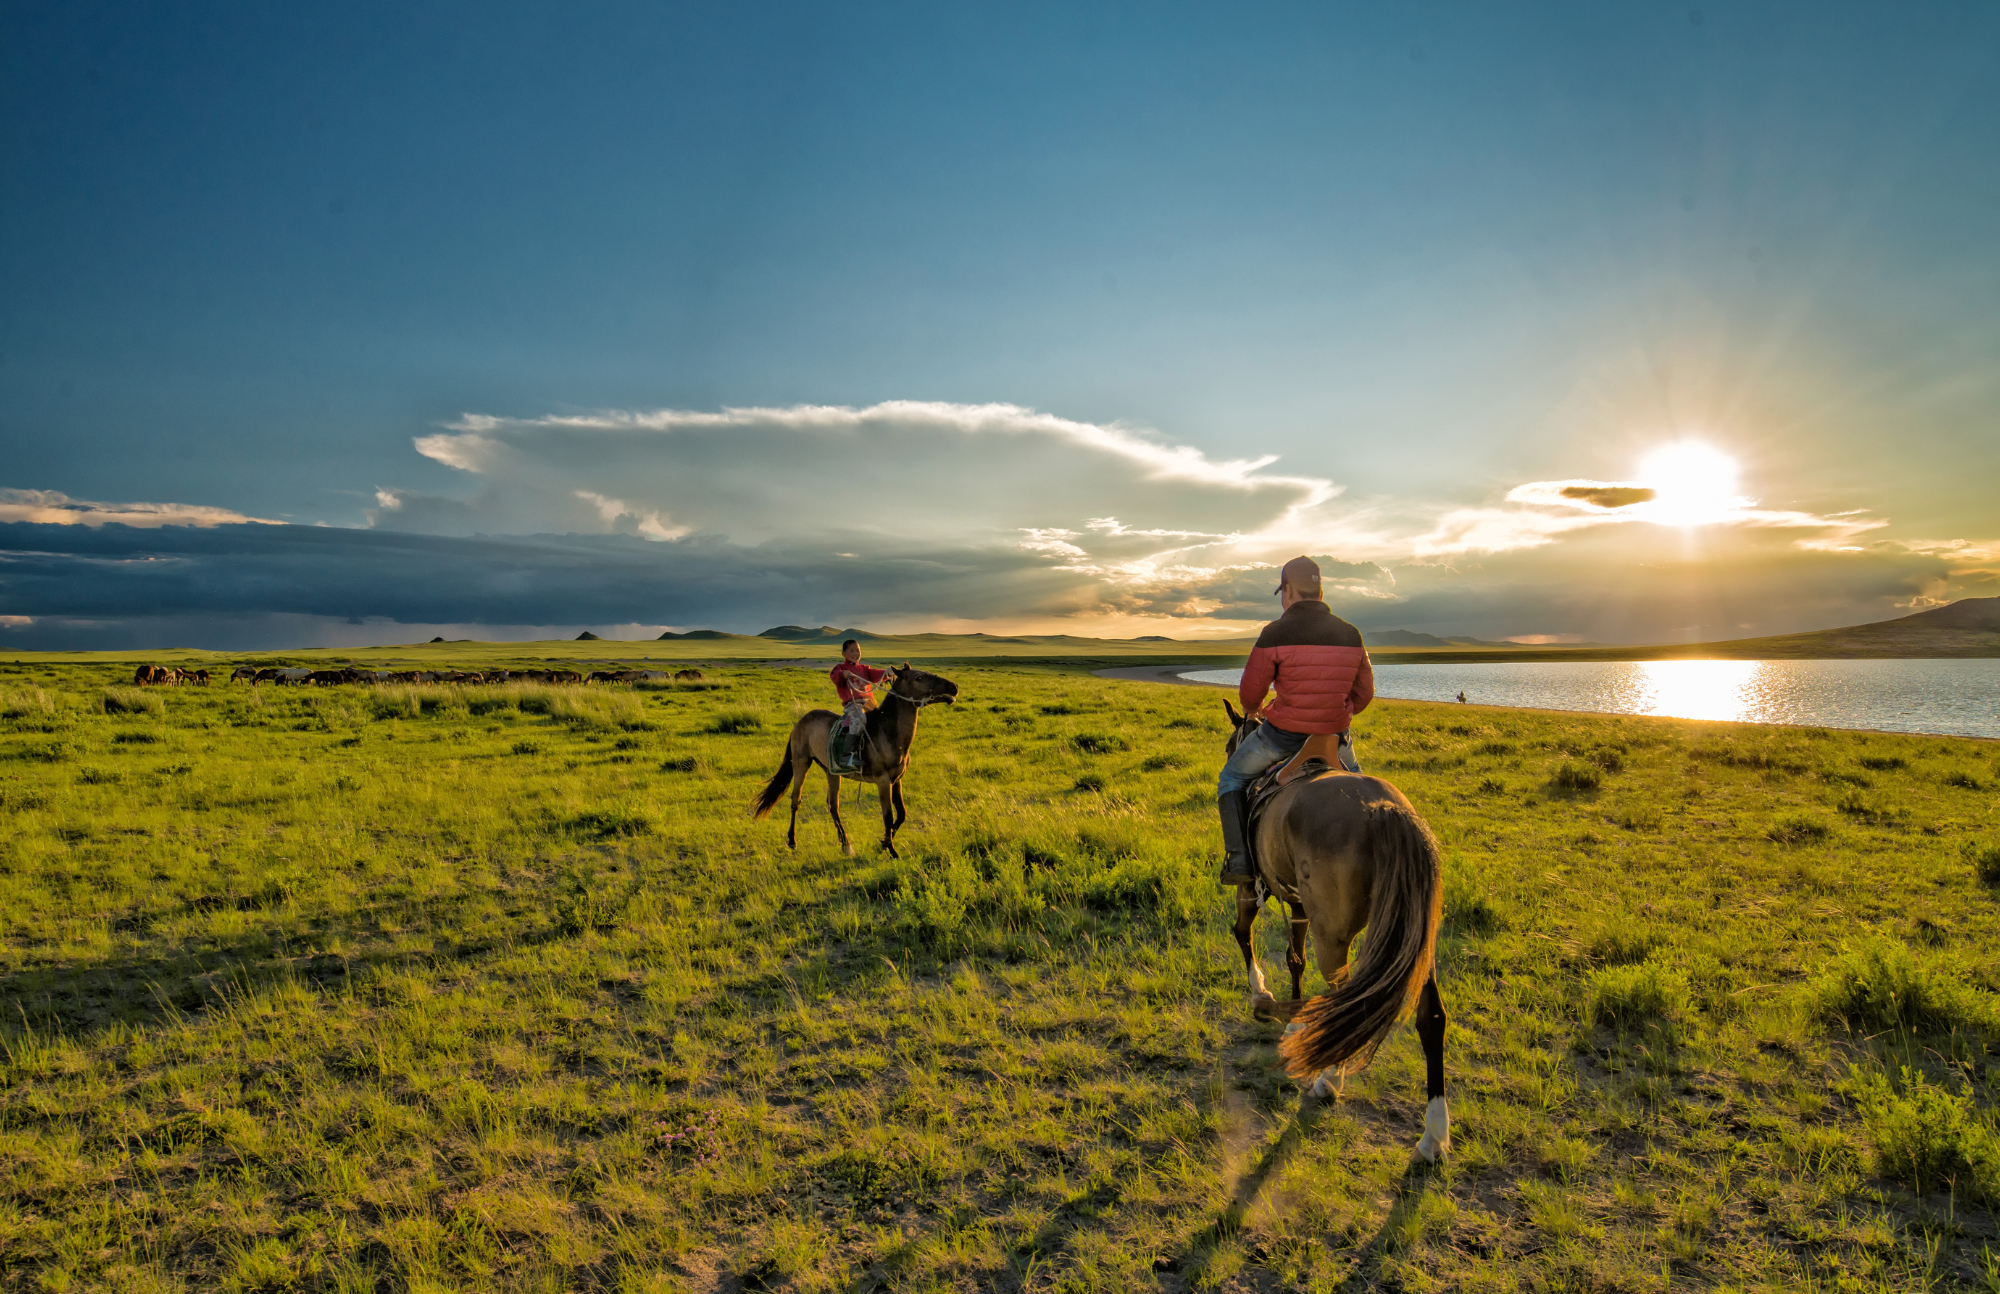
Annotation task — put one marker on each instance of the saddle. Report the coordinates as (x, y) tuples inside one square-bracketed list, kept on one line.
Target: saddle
[(1320, 755)]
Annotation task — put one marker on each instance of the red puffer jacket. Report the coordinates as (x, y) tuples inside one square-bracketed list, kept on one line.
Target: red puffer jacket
[(1320, 668)]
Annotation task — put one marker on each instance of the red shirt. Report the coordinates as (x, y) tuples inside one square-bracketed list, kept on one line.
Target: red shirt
[(855, 682)]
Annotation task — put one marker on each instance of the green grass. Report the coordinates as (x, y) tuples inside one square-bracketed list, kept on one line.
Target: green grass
[(500, 988)]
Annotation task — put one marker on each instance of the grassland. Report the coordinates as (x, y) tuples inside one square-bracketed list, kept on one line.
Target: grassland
[(500, 988)]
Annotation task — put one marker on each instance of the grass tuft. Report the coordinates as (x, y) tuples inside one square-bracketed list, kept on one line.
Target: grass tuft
[(1927, 1137), (736, 721), (1883, 985), (1985, 860), (132, 700), (1576, 778), (1799, 829), (1650, 993)]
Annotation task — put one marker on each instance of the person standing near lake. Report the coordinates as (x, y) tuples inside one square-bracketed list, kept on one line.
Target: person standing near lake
[(855, 684), (1319, 667)]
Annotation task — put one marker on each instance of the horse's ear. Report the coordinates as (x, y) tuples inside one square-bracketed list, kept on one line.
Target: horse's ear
[(1235, 719), (906, 667)]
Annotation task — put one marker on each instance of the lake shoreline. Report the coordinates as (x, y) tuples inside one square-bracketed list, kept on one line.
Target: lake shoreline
[(1166, 674)]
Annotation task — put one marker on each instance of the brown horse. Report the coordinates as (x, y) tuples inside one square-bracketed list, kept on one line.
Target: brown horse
[(885, 754), (1347, 851)]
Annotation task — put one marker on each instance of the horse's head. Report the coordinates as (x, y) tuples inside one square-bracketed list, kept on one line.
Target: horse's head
[(920, 688), (1240, 728)]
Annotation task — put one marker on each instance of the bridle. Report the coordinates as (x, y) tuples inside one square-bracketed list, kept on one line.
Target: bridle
[(914, 701)]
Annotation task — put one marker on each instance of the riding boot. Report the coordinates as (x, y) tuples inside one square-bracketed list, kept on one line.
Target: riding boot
[(1236, 868)]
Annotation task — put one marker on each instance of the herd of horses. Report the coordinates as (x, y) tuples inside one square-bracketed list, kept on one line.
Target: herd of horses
[(1343, 851), (166, 676)]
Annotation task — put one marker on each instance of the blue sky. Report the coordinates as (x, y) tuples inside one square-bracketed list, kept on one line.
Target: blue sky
[(254, 258)]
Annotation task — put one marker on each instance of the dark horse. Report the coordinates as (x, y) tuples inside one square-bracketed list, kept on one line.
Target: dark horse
[(1348, 851), (885, 754)]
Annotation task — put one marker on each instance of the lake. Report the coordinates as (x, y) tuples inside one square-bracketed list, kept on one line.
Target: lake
[(1956, 697)]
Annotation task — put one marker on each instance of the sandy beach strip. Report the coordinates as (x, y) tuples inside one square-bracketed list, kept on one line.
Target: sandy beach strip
[(1161, 674)]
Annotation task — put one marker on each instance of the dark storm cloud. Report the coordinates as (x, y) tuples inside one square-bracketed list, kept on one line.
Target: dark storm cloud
[(113, 573)]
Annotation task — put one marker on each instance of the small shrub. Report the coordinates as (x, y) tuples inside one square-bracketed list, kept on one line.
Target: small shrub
[(1882, 985), (1059, 708), (1576, 778), (1925, 1137), (1650, 992), (1099, 743), (1090, 782), (679, 764), (485, 705), (1985, 860), (627, 743), (604, 823), (527, 748), (1492, 786), (736, 721), (1963, 780), (1157, 763), (1497, 748), (1883, 763), (585, 907), (1799, 829), (138, 738), (1609, 759), (130, 700), (48, 752), (1624, 945), (1183, 723), (32, 704), (91, 775)]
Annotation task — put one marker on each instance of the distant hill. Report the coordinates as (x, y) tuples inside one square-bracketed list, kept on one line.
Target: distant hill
[(823, 634), (1411, 638), (698, 635), (1967, 627)]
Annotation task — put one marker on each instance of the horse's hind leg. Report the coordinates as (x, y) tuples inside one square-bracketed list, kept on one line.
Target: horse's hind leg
[(1295, 951), (801, 765), (889, 820), (901, 817), (1262, 1004), (1437, 1115), (833, 808)]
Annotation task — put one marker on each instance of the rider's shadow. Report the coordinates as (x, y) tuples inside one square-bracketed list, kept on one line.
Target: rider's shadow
[(1412, 1188)]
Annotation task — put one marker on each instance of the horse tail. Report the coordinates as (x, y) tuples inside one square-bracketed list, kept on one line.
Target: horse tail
[(774, 788), (1341, 1029)]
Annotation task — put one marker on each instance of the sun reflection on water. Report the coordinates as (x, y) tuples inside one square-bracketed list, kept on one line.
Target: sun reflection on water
[(1697, 689)]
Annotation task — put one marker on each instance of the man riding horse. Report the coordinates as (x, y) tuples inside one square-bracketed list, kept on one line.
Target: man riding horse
[(1320, 669)]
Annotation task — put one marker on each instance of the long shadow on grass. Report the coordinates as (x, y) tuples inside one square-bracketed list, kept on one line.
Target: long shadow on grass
[(1251, 1185), (1411, 1188)]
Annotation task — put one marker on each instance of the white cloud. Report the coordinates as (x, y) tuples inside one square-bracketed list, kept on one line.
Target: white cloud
[(49, 508), (1546, 510)]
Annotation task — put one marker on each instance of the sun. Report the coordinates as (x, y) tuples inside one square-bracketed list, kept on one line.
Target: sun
[(1693, 483)]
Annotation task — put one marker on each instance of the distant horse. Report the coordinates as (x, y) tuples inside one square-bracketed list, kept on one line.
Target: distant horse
[(885, 755), (1349, 851)]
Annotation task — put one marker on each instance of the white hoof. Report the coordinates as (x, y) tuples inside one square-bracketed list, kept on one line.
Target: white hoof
[(1293, 1027), (1436, 1141)]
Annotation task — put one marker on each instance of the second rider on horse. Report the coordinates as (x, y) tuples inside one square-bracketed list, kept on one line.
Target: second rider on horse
[(855, 683), (1320, 669)]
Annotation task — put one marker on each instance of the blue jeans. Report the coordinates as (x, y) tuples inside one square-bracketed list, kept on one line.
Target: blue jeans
[(1267, 746)]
